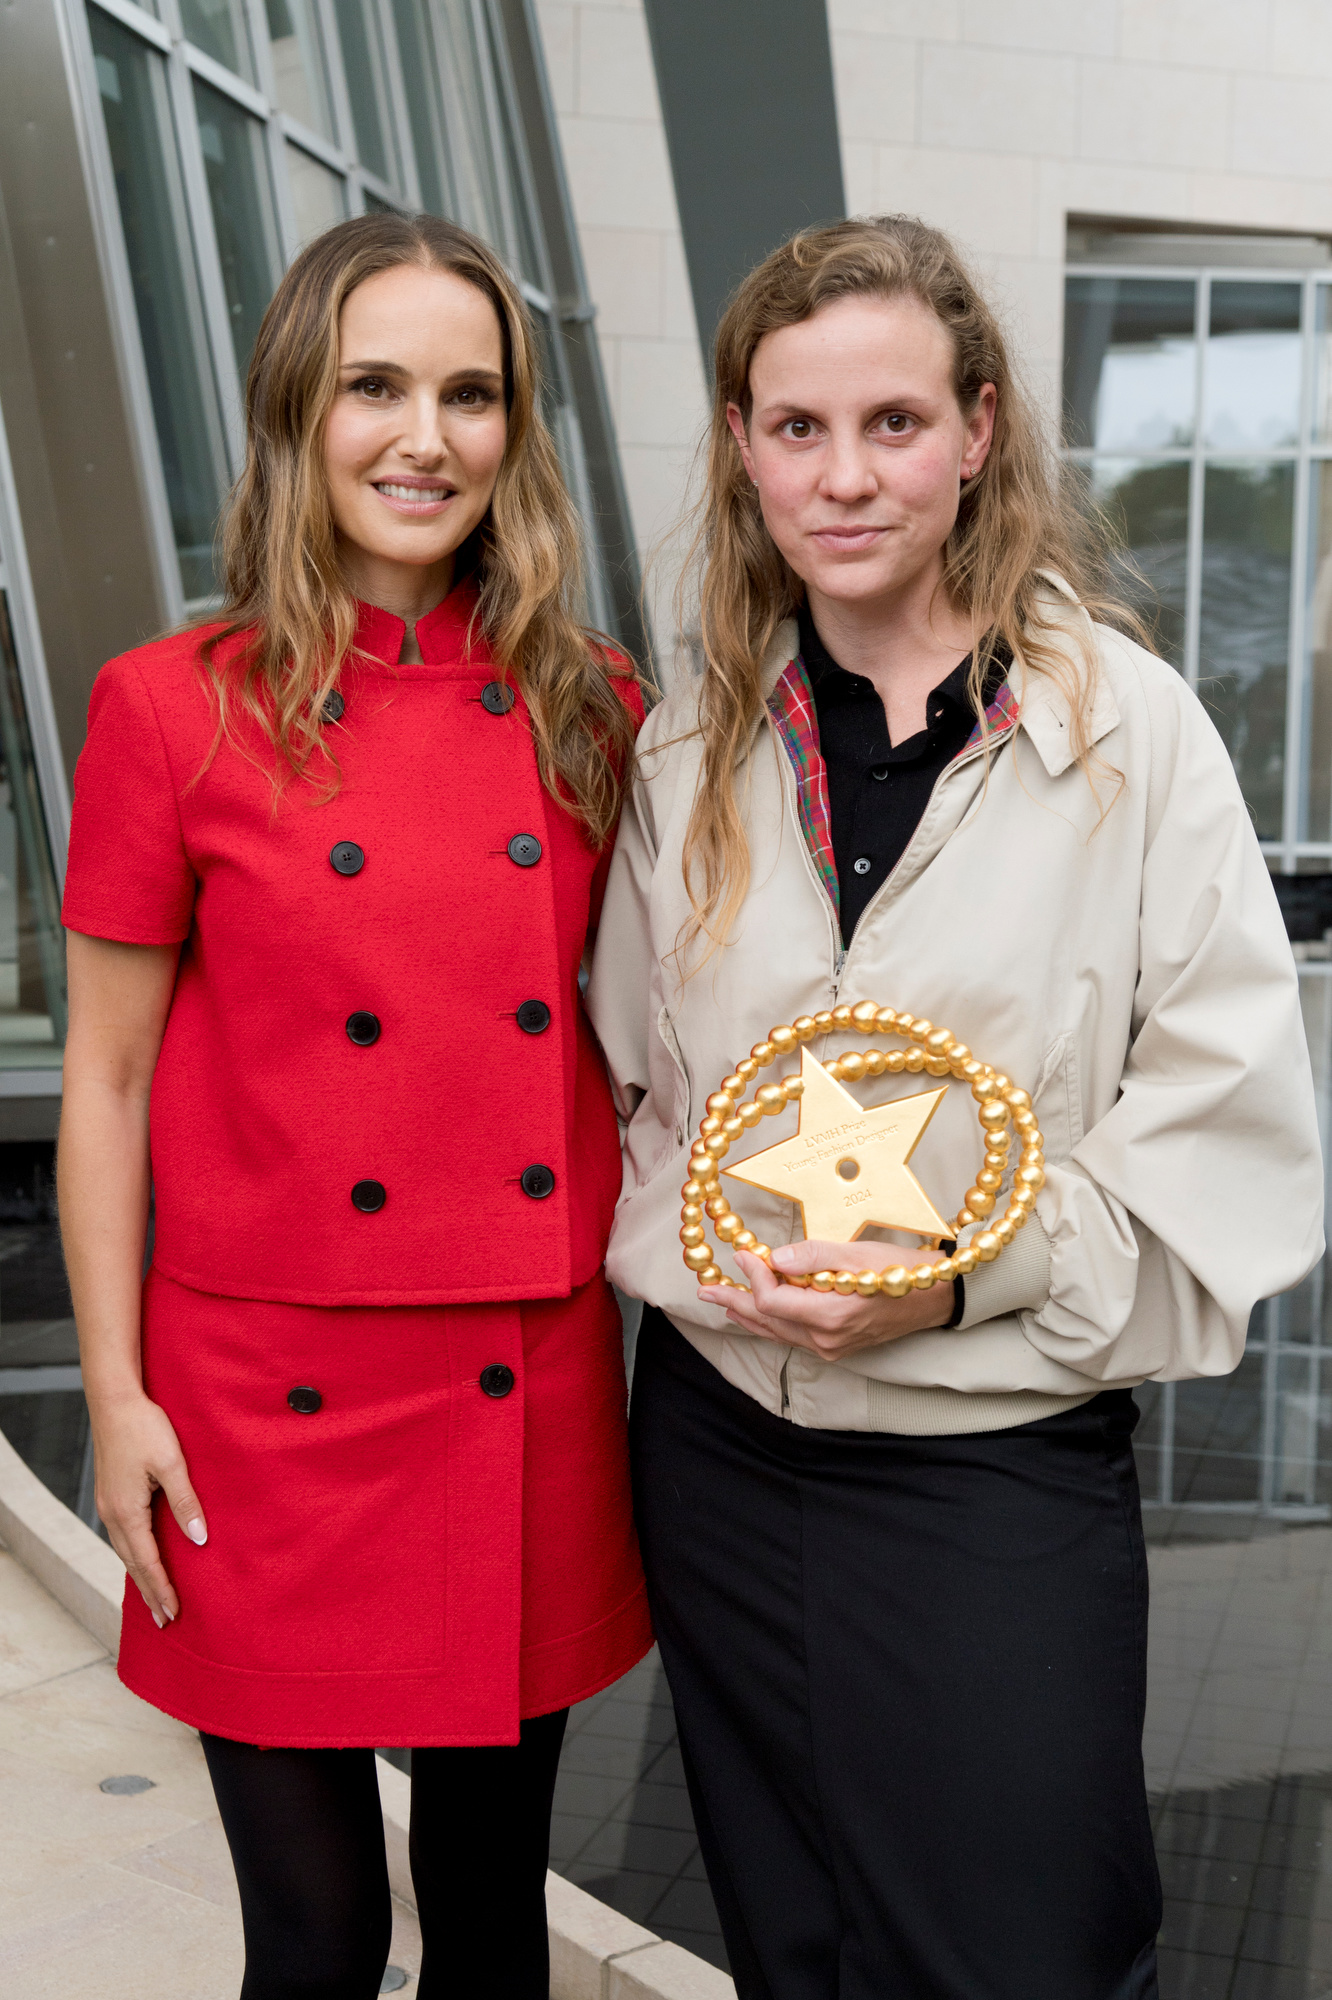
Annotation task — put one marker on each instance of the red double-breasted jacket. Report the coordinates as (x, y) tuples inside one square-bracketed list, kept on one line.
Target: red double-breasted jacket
[(441, 890), (377, 1088)]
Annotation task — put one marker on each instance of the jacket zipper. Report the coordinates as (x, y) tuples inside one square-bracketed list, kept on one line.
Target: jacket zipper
[(839, 950), (883, 891), (835, 929)]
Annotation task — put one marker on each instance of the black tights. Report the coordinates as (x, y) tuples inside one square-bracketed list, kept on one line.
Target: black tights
[(307, 1841)]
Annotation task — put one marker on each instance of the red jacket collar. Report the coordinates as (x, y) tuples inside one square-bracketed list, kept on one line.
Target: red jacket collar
[(442, 634)]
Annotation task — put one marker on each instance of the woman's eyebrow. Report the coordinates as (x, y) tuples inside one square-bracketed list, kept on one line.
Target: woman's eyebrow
[(481, 374)]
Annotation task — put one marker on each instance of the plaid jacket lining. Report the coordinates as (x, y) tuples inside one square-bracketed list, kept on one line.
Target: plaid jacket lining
[(794, 717)]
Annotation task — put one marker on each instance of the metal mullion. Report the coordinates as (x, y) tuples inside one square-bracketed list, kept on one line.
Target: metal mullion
[(34, 679), (279, 179), (494, 131), (1246, 274), (1193, 560), (207, 257), (283, 206), (1166, 1472), (226, 81), (265, 74), (405, 146), (113, 257), (453, 124), (1295, 788), (385, 190), (497, 43), (138, 22), (1267, 1460), (321, 149), (337, 84)]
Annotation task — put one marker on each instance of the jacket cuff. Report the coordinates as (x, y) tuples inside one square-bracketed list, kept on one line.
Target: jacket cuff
[(1019, 1281)]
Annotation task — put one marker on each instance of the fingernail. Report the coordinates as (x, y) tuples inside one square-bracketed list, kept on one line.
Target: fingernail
[(157, 1619), (196, 1531), (170, 1616), (783, 1256)]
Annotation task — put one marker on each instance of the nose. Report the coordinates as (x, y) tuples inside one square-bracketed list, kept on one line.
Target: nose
[(423, 432), (848, 470)]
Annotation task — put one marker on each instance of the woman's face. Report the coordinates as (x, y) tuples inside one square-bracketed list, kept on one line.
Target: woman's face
[(858, 446), (415, 437)]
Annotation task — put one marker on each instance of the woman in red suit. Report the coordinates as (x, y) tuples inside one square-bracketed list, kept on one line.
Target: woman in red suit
[(334, 864)]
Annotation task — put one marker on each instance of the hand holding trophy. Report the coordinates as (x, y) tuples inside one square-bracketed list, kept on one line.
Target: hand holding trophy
[(847, 1165)]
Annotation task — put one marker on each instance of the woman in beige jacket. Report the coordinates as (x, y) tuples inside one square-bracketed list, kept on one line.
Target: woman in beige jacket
[(893, 1538)]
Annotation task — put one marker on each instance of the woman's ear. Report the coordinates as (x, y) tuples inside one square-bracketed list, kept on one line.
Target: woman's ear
[(980, 432), (736, 420)]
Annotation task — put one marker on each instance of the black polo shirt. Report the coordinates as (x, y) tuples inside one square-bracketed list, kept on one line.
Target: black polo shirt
[(877, 791)]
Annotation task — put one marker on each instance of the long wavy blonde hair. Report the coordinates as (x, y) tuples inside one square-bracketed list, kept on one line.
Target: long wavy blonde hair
[(1014, 521), (284, 587)]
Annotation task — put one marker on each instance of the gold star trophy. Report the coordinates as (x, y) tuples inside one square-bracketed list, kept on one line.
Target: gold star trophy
[(846, 1168)]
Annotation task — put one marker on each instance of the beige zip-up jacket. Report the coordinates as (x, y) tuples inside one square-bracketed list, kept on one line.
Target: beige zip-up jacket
[(1131, 971)]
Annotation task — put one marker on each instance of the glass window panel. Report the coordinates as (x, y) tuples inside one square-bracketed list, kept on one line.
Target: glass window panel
[(425, 108), (1147, 1439), (235, 151), (525, 247), (220, 29), (1245, 624), (318, 196), (300, 73), (132, 81), (1302, 1432), (1145, 507), (1252, 391), (480, 202), (1316, 805), (362, 61), (1129, 363), (33, 1010), (1218, 1435)]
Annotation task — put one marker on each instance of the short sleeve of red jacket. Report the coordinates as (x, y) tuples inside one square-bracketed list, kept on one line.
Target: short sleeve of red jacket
[(129, 877)]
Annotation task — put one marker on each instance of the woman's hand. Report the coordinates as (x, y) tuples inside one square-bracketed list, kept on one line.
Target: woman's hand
[(824, 1322), (136, 1452)]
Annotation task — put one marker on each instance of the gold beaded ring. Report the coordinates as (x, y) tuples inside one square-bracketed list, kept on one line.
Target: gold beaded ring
[(933, 1050)]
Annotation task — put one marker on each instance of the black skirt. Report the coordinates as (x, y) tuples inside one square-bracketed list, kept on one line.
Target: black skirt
[(909, 1675)]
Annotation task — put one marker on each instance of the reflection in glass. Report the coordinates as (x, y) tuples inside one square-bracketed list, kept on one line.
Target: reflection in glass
[(1145, 507), (1245, 624), (1301, 1427), (481, 202), (316, 194), (362, 60), (300, 74), (425, 109), (524, 246), (1219, 1435), (1129, 363), (219, 28), (32, 944), (132, 81), (1316, 804), (1251, 397), (235, 160)]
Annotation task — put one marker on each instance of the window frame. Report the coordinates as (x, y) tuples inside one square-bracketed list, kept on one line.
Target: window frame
[(1287, 852), (506, 165)]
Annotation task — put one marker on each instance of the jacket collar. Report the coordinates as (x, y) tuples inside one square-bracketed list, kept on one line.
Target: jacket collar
[(1041, 700), (443, 634)]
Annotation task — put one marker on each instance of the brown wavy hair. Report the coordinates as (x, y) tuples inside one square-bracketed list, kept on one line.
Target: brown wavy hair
[(1015, 520), (284, 588)]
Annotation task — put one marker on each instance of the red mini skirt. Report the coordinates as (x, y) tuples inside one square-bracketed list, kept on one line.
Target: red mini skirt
[(419, 1522)]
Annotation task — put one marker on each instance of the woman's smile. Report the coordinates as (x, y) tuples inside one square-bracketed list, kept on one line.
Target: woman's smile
[(408, 495)]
